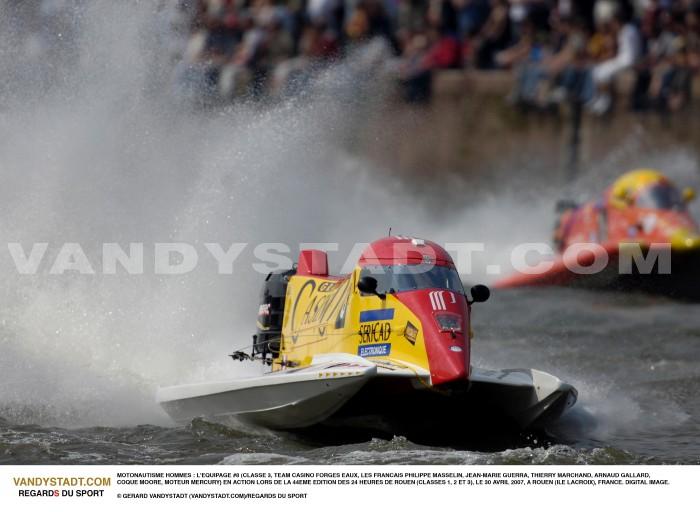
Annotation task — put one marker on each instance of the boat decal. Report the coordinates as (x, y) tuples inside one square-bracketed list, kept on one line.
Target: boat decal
[(340, 320), (375, 332), (375, 315), (380, 349), (348, 365), (320, 307), (410, 333), (308, 284), (437, 299)]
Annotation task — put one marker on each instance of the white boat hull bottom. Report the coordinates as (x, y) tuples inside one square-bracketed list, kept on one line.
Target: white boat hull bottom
[(528, 396), (290, 399), (346, 390)]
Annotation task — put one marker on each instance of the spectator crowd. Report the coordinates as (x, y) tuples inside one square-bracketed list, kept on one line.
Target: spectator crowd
[(577, 51), (558, 50)]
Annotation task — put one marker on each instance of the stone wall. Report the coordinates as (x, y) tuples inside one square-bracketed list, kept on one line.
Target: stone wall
[(470, 128)]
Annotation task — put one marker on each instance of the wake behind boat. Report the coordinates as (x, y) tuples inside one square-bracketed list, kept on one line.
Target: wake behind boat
[(386, 348)]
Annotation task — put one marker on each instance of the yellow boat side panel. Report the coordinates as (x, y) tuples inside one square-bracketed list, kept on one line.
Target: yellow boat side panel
[(330, 315)]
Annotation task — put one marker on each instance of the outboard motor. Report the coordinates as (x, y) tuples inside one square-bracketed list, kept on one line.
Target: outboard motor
[(271, 313)]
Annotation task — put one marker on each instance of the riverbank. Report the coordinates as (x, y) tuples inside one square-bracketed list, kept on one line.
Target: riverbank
[(470, 121)]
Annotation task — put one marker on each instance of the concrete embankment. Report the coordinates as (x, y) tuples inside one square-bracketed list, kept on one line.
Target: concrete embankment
[(470, 128)]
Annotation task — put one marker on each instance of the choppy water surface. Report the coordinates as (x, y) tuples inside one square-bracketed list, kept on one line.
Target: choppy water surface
[(634, 359), (93, 150)]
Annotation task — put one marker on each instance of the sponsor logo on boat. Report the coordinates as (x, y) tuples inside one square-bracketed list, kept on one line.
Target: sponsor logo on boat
[(381, 349), (375, 332), (328, 286), (312, 308), (411, 333), (437, 299)]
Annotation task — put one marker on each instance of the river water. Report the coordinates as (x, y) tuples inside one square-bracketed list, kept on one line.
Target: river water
[(96, 152), (634, 359)]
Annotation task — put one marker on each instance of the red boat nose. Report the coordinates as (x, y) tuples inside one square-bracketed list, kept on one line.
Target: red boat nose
[(444, 316)]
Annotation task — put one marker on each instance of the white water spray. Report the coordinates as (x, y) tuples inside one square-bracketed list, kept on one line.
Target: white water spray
[(93, 151)]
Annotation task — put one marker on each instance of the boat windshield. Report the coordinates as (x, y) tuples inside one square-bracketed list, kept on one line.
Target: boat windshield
[(662, 197), (401, 278)]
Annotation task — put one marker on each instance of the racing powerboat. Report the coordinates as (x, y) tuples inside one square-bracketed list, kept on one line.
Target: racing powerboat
[(639, 235), (386, 348)]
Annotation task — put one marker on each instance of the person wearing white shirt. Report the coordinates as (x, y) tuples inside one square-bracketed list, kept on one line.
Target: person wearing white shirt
[(629, 51)]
